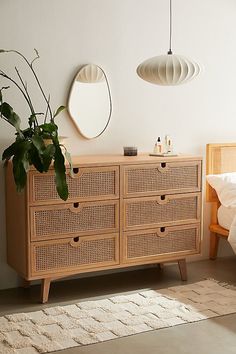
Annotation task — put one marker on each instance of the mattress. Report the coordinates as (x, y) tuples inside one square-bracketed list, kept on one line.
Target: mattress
[(226, 216)]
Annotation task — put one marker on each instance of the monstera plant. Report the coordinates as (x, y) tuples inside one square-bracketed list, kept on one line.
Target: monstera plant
[(30, 147)]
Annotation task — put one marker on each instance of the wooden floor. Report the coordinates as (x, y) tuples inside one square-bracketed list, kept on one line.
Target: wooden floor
[(213, 336)]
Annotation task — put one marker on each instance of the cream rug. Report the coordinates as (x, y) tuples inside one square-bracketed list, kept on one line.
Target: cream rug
[(88, 322)]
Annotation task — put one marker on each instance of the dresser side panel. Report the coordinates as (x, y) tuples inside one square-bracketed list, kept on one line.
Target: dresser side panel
[(16, 225)]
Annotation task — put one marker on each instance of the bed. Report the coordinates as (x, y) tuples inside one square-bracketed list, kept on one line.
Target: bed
[(220, 159)]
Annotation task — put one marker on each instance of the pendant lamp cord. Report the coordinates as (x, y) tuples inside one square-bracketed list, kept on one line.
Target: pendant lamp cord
[(170, 50)]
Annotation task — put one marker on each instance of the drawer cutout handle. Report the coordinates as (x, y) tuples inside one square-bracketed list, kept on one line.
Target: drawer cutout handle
[(76, 207), (163, 199), (163, 167), (77, 172), (75, 242), (162, 232)]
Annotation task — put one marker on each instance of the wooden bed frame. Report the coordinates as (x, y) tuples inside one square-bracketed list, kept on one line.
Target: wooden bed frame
[(220, 158)]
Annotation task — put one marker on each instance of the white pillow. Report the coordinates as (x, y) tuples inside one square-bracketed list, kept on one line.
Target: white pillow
[(225, 187)]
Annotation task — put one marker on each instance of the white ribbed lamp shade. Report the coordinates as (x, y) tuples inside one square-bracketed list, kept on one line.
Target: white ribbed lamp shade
[(168, 70), (90, 73)]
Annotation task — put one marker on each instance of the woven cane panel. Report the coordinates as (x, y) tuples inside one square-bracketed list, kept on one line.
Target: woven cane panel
[(143, 180), (150, 212), (89, 184), (151, 244), (64, 221), (63, 255)]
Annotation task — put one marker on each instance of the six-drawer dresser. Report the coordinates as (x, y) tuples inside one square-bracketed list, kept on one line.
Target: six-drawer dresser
[(121, 212)]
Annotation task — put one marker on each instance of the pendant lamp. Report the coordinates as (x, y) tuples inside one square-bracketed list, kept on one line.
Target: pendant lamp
[(170, 69)]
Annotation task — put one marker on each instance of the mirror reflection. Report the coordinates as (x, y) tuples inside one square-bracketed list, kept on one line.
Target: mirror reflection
[(90, 103)]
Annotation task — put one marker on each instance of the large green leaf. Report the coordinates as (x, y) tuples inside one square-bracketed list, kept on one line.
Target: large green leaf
[(48, 127), (20, 175), (7, 111), (35, 159), (48, 155), (27, 133), (14, 148), (38, 143), (20, 164), (68, 157), (59, 110), (60, 173), (10, 151)]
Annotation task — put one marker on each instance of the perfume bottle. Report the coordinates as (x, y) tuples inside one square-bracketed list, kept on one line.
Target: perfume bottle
[(168, 144), (158, 147)]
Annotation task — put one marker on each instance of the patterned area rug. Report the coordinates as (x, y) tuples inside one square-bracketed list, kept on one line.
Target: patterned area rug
[(96, 321)]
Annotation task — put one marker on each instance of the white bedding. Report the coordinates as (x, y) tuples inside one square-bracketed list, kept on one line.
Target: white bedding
[(227, 219), (226, 216), (232, 235), (225, 187)]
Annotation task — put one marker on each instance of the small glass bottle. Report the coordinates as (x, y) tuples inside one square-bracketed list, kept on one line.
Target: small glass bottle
[(168, 144), (158, 148)]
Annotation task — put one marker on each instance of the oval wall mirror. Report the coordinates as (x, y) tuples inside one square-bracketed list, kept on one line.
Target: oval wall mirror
[(89, 103)]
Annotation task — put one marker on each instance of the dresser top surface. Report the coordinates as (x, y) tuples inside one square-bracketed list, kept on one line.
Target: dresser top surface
[(123, 160)]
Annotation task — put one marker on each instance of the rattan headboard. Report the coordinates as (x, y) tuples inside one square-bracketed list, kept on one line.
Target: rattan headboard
[(220, 158)]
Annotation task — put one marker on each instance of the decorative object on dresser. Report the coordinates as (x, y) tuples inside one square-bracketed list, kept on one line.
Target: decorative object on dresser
[(121, 212), (37, 145), (130, 151), (164, 150), (221, 158)]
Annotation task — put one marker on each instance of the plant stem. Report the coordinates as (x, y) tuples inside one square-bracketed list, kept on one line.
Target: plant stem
[(18, 86), (26, 92), (46, 113), (35, 75)]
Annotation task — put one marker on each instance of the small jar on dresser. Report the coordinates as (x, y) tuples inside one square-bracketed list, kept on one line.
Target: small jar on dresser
[(122, 211)]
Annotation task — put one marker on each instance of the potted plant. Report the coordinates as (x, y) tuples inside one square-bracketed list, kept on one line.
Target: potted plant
[(29, 147)]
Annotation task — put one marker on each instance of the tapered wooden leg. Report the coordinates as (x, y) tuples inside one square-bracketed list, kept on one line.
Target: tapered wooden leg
[(24, 283), (45, 287), (160, 266), (214, 243), (182, 269)]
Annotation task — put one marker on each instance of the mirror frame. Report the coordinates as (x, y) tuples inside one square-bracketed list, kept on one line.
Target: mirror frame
[(110, 102)]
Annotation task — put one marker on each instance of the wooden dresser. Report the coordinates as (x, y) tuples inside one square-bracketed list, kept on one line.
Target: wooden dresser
[(121, 212)]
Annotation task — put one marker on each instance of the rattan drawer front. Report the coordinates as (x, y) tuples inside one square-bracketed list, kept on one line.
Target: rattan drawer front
[(166, 177), (57, 221), (172, 241), (74, 254), (140, 213), (93, 183)]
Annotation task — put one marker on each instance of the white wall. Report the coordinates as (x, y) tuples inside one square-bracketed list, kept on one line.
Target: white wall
[(118, 35)]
